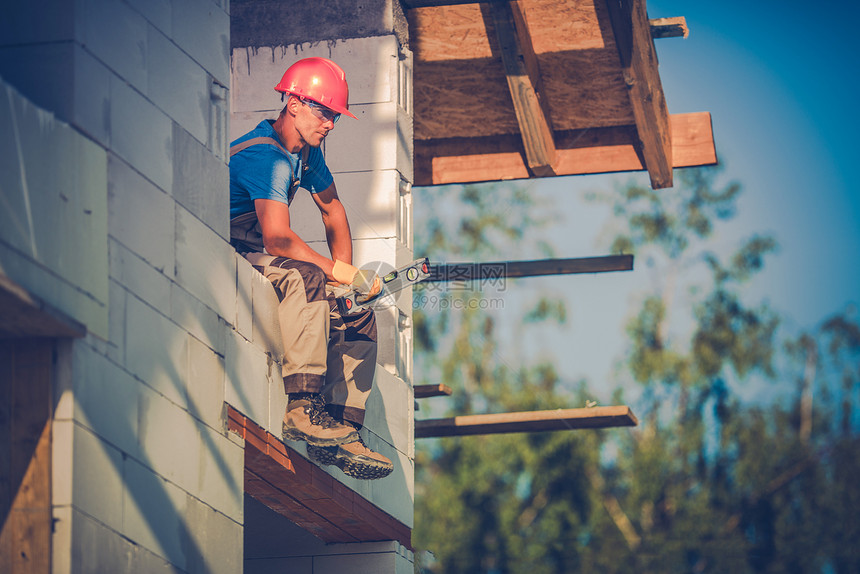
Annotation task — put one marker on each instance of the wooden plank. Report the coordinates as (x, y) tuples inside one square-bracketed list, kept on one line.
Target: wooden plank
[(427, 391), (529, 421), (460, 85), (523, 77), (669, 27), (25, 455), (411, 4), (492, 271), (580, 152), (632, 31)]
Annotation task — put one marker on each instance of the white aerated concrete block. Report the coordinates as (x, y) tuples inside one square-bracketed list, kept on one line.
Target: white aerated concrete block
[(249, 373), (113, 346), (154, 513), (367, 62), (141, 134), (297, 565), (378, 252), (89, 546), (205, 383), (198, 319), (395, 494), (61, 539), (57, 217), (54, 21), (169, 440), (277, 408), (117, 35), (130, 271), (243, 122), (85, 98), (205, 266), (245, 279), (97, 482), (157, 12), (215, 539), (371, 143), (389, 410), (221, 474), (267, 327), (169, 67), (370, 199), (106, 399), (202, 30), (201, 182), (130, 196), (370, 563), (156, 350), (62, 461)]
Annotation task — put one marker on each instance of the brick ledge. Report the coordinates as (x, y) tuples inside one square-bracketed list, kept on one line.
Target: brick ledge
[(287, 483)]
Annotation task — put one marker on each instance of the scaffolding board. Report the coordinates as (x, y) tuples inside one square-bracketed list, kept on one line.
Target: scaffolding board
[(527, 421)]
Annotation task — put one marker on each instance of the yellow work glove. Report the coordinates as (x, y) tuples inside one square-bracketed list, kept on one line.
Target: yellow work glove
[(366, 283)]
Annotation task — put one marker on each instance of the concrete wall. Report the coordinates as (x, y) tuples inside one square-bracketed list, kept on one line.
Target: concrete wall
[(113, 134), (114, 120)]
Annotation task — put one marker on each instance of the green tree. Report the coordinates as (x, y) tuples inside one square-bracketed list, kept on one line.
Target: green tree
[(708, 482)]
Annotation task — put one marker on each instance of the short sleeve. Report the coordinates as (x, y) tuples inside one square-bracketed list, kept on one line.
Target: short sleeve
[(317, 177)]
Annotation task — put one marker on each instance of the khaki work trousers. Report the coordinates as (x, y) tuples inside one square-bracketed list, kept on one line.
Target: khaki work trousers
[(324, 352)]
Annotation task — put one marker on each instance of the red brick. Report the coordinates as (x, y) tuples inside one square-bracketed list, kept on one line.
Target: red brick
[(277, 445), (343, 495)]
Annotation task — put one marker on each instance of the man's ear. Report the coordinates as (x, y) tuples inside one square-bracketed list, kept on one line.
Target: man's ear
[(292, 106)]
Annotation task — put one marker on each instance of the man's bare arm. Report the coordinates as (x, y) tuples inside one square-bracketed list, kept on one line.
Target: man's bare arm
[(336, 224), (281, 241)]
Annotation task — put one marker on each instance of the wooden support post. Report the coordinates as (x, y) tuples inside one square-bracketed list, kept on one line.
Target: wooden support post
[(632, 31), (426, 391), (492, 271), (529, 421), (521, 69), (26, 367)]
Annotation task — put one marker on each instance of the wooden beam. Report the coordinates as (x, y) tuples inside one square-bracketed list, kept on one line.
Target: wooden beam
[(632, 31), (427, 391), (660, 27), (669, 27), (434, 3), (529, 421), (523, 76), (491, 271), (580, 152), (26, 412)]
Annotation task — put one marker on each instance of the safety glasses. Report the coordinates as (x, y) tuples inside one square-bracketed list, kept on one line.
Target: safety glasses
[(320, 111)]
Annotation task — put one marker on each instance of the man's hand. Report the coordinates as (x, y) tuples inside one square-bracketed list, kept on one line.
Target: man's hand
[(366, 283)]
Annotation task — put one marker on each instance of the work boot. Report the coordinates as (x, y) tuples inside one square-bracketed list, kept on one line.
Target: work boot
[(354, 459), (306, 419)]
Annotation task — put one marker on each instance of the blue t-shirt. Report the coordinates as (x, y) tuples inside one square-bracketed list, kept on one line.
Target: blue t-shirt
[(266, 171)]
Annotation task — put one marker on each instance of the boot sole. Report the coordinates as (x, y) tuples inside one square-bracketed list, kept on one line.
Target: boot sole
[(350, 467), (289, 433)]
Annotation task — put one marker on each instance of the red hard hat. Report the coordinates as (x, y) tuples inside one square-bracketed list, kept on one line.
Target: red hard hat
[(320, 80)]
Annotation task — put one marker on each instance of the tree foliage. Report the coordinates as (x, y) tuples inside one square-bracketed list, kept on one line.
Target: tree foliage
[(710, 481)]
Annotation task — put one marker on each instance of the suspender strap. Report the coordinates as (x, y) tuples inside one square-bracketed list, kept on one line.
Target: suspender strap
[(267, 140), (260, 140)]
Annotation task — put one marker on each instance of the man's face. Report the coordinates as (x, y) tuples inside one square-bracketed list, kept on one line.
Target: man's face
[(314, 122)]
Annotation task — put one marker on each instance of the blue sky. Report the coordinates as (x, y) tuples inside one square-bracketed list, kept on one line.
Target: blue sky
[(780, 81)]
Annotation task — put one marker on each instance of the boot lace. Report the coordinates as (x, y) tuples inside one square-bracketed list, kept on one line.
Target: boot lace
[(317, 413)]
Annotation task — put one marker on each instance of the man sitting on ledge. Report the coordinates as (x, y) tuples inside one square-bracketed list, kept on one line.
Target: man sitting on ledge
[(329, 359)]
